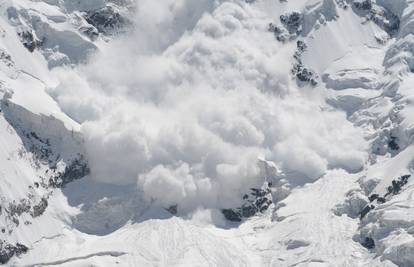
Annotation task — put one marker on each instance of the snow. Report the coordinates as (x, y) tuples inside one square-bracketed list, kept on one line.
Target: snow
[(188, 111)]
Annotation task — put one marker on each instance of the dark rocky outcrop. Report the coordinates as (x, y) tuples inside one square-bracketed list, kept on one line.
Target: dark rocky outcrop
[(305, 74), (106, 20), (292, 22), (257, 201), (363, 5), (280, 34), (393, 189), (40, 208), (173, 209), (368, 243), (7, 251), (77, 169), (397, 184), (302, 73), (381, 16), (29, 40), (290, 29), (365, 211), (393, 143)]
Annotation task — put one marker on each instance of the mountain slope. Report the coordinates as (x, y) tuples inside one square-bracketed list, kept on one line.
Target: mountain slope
[(208, 133)]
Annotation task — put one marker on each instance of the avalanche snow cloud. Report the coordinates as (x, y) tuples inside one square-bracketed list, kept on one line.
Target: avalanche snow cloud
[(186, 105)]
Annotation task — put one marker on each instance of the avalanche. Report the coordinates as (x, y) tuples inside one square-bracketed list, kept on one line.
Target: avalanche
[(206, 133)]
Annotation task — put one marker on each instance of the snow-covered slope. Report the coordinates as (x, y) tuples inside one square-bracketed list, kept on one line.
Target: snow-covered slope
[(206, 133)]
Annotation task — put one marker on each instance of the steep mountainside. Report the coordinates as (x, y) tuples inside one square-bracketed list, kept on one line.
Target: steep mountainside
[(207, 133)]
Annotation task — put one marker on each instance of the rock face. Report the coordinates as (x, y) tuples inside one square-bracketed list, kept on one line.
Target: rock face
[(107, 20), (7, 251), (29, 40), (380, 15), (257, 201), (77, 169)]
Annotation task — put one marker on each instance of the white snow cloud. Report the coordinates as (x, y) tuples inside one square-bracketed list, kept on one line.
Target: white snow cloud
[(184, 107)]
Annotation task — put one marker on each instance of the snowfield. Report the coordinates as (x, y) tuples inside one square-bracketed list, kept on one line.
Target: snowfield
[(207, 133)]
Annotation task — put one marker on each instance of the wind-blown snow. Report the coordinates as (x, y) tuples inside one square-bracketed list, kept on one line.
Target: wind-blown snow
[(190, 112)]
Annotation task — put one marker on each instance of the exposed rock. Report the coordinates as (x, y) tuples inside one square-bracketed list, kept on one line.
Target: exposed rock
[(173, 209), (292, 22), (305, 74), (77, 169), (281, 34), (40, 208), (29, 40), (363, 4), (258, 200), (107, 20), (397, 184), (393, 189), (17, 209), (393, 144), (231, 215), (7, 251), (365, 211), (380, 15), (373, 197), (368, 242)]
